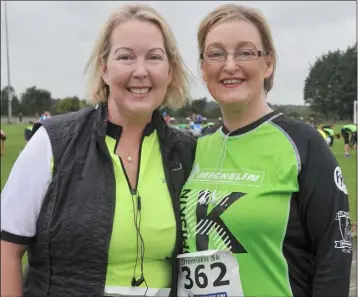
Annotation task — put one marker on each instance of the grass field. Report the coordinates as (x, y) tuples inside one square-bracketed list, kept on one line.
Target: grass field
[(15, 143)]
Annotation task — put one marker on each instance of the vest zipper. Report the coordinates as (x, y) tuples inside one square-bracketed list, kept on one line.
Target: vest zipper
[(176, 208)]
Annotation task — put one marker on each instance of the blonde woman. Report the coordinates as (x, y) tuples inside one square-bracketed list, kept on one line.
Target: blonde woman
[(265, 210), (98, 206)]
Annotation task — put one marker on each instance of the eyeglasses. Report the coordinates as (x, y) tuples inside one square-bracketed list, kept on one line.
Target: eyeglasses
[(215, 56)]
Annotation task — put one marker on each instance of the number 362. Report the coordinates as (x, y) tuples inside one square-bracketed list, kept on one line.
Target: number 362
[(201, 279)]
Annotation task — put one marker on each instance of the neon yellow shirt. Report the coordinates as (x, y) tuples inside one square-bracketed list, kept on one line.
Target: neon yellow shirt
[(158, 226)]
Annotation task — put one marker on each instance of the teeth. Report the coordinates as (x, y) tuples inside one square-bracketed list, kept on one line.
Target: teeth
[(232, 81), (139, 90)]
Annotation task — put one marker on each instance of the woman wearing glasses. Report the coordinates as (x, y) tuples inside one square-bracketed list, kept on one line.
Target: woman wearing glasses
[(265, 210)]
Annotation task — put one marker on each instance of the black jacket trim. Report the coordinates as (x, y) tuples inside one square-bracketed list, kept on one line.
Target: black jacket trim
[(250, 126), (23, 240)]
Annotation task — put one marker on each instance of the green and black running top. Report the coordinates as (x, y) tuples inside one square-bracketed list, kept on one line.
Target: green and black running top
[(328, 131), (273, 194), (350, 128)]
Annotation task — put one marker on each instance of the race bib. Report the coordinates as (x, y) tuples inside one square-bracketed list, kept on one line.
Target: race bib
[(209, 274), (135, 291)]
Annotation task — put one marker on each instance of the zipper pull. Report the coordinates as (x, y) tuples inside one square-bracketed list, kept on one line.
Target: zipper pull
[(134, 192)]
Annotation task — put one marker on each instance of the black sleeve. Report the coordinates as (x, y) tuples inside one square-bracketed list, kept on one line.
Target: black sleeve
[(325, 213)]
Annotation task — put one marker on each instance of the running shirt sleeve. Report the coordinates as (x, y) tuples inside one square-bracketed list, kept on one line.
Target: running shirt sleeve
[(324, 199), (25, 189)]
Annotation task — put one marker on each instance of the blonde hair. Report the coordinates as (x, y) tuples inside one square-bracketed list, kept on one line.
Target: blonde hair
[(231, 12), (178, 90)]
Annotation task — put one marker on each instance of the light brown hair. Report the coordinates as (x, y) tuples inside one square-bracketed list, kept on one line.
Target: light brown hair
[(231, 12), (178, 90)]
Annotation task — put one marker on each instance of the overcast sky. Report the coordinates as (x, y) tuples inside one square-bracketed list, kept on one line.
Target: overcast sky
[(51, 41)]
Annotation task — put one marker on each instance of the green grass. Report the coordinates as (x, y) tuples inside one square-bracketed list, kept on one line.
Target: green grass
[(349, 169), (15, 143)]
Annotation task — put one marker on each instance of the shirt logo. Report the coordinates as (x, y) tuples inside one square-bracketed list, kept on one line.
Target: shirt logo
[(239, 176), (338, 179), (208, 223), (345, 244)]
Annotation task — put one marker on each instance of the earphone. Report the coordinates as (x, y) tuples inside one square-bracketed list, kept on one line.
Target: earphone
[(137, 282)]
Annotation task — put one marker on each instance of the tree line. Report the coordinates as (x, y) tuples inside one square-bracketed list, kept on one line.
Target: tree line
[(329, 92), (331, 85), (36, 101)]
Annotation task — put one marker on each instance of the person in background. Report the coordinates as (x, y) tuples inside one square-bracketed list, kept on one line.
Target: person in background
[(265, 210), (166, 117), (42, 117), (312, 122), (217, 124), (206, 125), (28, 131), (98, 208), (45, 115), (325, 136), (196, 117), (193, 127), (349, 135), (329, 130), (3, 139)]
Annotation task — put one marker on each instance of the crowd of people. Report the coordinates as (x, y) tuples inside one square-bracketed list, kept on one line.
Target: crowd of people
[(116, 201), (197, 126), (348, 133)]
